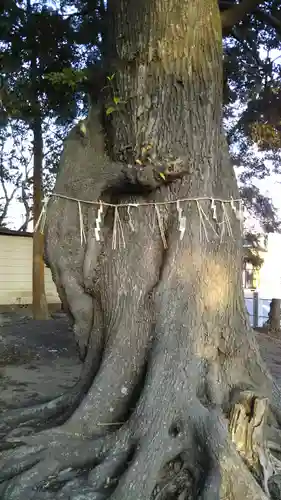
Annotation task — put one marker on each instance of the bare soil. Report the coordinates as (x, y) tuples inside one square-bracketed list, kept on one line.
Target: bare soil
[(271, 352), (38, 359)]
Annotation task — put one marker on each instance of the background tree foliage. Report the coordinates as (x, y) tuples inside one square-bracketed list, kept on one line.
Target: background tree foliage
[(67, 39), (15, 172), (252, 69), (36, 42)]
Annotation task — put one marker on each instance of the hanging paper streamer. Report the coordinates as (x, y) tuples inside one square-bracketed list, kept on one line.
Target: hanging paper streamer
[(81, 225), (130, 219), (98, 222), (225, 223), (232, 204), (114, 233), (214, 210), (182, 221), (240, 211), (203, 220), (117, 230), (239, 214), (40, 224), (237, 211), (161, 227), (202, 223), (227, 220)]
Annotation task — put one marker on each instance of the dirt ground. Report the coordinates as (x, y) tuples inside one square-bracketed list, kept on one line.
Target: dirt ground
[(39, 359), (270, 348)]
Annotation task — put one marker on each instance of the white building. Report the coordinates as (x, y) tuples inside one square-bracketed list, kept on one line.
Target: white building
[(262, 285), (16, 271)]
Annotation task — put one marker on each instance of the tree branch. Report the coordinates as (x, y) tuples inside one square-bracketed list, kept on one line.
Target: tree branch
[(81, 13), (27, 208), (2, 182), (269, 19), (227, 7), (238, 12), (8, 200), (247, 43)]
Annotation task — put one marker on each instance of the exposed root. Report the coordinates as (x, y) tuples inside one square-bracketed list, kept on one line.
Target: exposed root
[(175, 481), (233, 476), (50, 460), (189, 459), (276, 403), (247, 426), (107, 473)]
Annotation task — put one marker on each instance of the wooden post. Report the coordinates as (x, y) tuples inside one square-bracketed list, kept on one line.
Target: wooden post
[(255, 309), (40, 306), (274, 316), (39, 302)]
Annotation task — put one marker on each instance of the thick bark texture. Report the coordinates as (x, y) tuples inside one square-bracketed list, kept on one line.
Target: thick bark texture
[(173, 400)]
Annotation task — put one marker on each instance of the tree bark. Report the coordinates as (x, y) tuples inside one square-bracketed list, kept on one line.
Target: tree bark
[(173, 400)]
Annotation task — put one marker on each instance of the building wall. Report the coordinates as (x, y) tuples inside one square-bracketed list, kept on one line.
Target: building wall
[(268, 282), (16, 272), (270, 273)]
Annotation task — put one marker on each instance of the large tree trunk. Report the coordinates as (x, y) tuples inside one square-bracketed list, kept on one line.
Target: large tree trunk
[(172, 400)]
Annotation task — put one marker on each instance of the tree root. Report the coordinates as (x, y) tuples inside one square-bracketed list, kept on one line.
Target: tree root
[(48, 461), (176, 481), (186, 462), (247, 426), (194, 456), (230, 473), (276, 403)]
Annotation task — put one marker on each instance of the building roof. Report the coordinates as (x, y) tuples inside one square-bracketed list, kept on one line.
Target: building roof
[(4, 231)]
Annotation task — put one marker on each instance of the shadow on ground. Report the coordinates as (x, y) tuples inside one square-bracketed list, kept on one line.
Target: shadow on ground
[(37, 359)]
